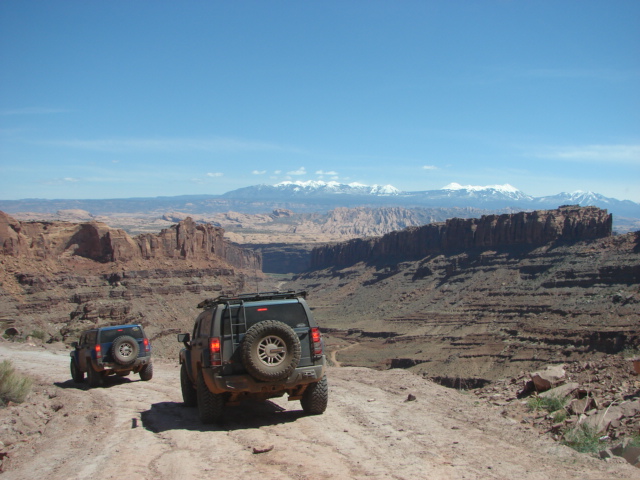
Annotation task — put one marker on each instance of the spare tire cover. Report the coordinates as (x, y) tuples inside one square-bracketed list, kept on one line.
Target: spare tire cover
[(125, 350), (270, 351)]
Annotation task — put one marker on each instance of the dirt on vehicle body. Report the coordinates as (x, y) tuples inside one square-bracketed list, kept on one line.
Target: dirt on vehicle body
[(259, 346)]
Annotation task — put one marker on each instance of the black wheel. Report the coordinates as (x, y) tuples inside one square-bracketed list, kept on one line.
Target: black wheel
[(189, 394), (271, 351), (210, 405), (125, 350), (95, 378), (76, 374), (146, 373), (315, 397)]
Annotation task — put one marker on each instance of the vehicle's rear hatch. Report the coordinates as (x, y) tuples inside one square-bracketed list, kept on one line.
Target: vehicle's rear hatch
[(107, 336), (244, 316)]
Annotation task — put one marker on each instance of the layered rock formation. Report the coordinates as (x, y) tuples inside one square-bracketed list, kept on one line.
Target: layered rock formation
[(59, 278), (97, 241), (568, 223)]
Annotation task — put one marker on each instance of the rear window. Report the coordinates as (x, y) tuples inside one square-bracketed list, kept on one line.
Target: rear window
[(293, 314), (107, 336)]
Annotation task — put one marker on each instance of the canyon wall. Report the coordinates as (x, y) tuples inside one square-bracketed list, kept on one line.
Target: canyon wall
[(97, 241), (567, 223)]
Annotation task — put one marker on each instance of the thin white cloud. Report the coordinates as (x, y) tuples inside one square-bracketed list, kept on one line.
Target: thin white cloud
[(215, 144), (300, 171), (429, 167), (594, 153), (215, 174), (60, 181), (32, 111), (321, 172), (259, 172)]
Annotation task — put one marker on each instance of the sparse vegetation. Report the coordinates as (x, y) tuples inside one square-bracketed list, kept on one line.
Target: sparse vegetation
[(583, 438), (14, 387), (39, 334), (550, 404)]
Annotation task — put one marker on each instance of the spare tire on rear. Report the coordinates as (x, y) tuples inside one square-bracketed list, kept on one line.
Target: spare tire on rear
[(271, 351), (125, 350)]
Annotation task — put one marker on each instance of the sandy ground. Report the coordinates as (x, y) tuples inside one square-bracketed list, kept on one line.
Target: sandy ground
[(140, 430)]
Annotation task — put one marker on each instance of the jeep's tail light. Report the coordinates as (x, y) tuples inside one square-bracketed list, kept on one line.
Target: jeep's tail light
[(98, 351), (317, 341), (215, 351), (145, 343)]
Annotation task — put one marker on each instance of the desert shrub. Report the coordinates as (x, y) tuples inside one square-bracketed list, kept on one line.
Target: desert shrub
[(14, 387), (550, 404), (583, 438), (39, 334)]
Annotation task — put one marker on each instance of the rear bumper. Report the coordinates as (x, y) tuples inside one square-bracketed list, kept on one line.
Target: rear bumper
[(217, 383), (112, 367)]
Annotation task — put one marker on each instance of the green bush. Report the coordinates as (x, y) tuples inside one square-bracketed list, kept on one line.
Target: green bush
[(583, 438), (550, 404), (13, 386)]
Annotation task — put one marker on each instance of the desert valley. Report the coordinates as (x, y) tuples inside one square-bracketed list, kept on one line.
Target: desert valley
[(460, 299)]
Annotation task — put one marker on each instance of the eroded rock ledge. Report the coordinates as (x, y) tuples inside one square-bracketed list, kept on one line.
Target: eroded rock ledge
[(97, 241), (567, 223)]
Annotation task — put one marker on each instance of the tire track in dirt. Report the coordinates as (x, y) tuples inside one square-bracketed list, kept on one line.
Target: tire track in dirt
[(141, 430)]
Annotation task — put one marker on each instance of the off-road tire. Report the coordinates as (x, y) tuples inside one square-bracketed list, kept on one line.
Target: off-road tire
[(210, 405), (271, 351), (315, 398), (125, 350), (146, 373), (96, 379), (76, 374), (189, 394)]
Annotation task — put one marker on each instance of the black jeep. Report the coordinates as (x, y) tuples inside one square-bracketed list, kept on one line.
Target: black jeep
[(117, 350), (258, 345)]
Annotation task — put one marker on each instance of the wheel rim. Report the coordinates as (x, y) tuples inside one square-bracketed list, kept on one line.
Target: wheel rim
[(125, 350), (272, 350)]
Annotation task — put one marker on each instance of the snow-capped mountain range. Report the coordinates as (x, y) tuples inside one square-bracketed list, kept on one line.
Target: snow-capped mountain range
[(491, 197)]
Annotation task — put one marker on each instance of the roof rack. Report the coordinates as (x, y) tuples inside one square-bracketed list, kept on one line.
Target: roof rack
[(251, 297)]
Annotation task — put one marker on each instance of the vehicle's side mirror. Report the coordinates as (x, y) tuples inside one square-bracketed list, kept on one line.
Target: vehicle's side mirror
[(184, 338)]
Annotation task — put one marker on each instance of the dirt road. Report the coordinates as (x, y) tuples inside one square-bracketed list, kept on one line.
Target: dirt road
[(140, 430)]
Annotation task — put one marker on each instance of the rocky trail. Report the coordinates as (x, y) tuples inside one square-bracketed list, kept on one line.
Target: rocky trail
[(380, 425)]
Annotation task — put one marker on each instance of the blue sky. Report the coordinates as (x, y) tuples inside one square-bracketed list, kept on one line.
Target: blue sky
[(139, 98)]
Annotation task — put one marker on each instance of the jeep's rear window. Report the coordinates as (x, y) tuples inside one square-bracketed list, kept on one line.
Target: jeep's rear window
[(107, 336), (293, 314)]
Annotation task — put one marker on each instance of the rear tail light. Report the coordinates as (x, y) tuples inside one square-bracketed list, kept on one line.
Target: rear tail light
[(145, 343), (215, 351), (317, 341), (98, 352)]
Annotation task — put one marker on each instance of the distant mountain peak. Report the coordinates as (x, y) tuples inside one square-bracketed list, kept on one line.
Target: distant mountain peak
[(318, 186), (506, 188)]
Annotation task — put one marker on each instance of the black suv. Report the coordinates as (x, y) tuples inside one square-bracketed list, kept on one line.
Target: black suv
[(258, 345), (117, 350)]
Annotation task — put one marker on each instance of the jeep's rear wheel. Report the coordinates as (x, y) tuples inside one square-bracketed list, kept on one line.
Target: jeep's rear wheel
[(189, 394), (316, 397), (125, 350), (210, 405), (76, 374), (95, 378), (271, 351), (146, 373)]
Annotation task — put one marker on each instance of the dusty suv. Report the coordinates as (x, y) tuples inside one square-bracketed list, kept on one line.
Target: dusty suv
[(117, 350), (258, 345)]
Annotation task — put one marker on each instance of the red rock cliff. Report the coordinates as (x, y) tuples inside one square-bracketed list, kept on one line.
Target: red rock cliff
[(569, 223), (97, 241)]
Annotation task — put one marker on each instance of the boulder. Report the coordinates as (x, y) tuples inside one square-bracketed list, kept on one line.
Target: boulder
[(548, 378)]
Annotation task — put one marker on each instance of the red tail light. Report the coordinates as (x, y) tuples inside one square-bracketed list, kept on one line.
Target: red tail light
[(215, 351), (145, 342), (98, 351), (317, 341)]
